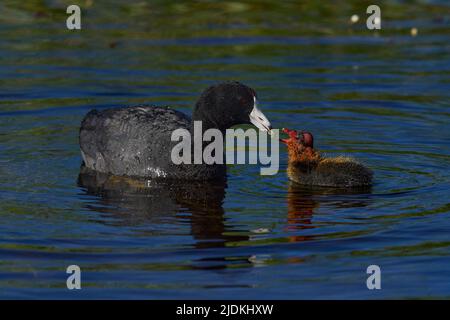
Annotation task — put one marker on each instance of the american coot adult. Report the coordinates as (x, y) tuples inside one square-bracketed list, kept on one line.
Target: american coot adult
[(307, 166), (136, 141)]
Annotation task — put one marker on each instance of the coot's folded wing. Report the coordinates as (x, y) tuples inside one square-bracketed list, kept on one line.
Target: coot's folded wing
[(133, 141)]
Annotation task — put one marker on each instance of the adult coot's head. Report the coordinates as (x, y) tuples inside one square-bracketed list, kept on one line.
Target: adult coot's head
[(227, 104)]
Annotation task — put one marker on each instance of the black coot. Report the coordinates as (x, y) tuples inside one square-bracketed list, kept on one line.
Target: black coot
[(136, 141)]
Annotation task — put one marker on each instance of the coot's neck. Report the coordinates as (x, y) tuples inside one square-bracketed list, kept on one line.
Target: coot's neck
[(208, 122), (199, 125)]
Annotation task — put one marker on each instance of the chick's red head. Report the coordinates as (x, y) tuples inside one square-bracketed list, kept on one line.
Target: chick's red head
[(304, 139)]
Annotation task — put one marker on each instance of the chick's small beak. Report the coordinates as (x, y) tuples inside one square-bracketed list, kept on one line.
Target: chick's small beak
[(259, 120), (284, 140), (292, 135)]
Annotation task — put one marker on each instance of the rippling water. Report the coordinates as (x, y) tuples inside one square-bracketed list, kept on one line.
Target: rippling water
[(382, 97)]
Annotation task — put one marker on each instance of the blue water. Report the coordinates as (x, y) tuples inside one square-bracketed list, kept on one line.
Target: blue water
[(380, 96)]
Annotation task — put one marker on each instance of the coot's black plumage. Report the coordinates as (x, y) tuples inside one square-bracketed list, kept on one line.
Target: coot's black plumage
[(136, 141)]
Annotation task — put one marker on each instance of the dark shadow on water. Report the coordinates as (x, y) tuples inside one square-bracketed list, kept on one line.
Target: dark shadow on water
[(133, 202), (302, 201)]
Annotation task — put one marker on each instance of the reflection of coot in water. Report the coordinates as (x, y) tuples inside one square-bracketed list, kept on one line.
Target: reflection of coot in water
[(139, 202), (302, 201), (133, 202)]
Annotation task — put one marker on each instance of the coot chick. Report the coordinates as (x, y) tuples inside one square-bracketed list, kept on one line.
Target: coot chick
[(307, 166), (136, 141)]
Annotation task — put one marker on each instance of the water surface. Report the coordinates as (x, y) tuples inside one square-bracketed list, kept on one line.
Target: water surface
[(381, 96)]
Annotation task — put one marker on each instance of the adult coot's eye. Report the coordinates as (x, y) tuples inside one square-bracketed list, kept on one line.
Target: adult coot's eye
[(243, 101)]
